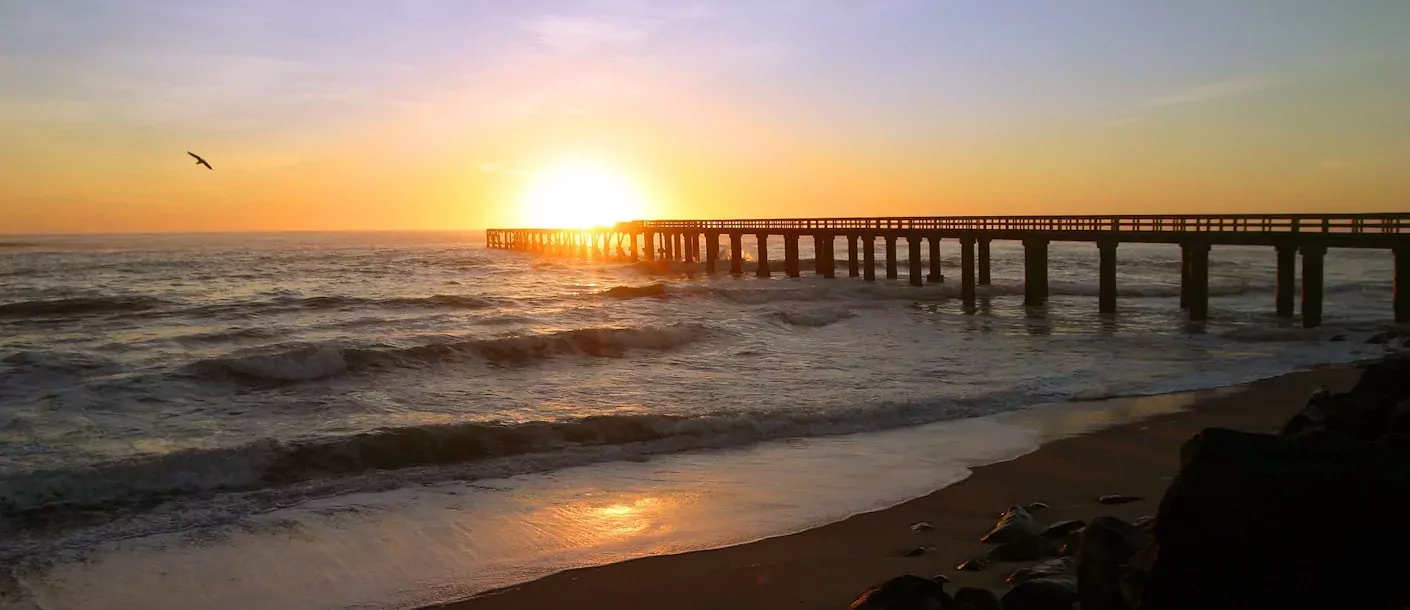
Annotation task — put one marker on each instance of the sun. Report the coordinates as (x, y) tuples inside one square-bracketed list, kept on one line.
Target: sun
[(581, 194)]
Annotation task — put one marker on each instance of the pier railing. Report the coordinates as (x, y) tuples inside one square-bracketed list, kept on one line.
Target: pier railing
[(1396, 223)]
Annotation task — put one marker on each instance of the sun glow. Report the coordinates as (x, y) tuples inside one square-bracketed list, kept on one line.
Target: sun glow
[(581, 194)]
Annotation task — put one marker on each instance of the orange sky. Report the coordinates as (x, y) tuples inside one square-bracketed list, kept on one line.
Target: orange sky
[(441, 115)]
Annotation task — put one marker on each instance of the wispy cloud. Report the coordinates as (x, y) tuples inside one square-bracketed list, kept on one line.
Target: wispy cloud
[(1124, 121), (576, 34), (1209, 92)]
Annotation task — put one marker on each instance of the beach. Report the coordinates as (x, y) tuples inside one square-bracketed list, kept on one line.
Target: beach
[(828, 566)]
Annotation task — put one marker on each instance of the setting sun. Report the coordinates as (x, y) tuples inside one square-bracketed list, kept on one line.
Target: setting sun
[(581, 194)]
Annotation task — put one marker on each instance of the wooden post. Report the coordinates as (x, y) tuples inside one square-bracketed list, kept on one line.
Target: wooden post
[(1184, 278), (736, 254), (712, 247), (890, 256), (790, 254), (936, 275), (1312, 259), (1286, 279), (1402, 283), (967, 269), (869, 257), (851, 255), (1106, 276), (763, 270), (913, 258), (1035, 271), (1198, 279), (826, 263)]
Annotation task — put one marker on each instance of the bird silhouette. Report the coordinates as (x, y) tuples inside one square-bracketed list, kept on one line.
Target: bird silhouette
[(200, 161)]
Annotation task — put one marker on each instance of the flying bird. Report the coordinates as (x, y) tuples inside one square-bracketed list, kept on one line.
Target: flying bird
[(200, 161)]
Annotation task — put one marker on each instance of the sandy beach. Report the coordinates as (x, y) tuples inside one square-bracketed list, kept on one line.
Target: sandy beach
[(827, 567)]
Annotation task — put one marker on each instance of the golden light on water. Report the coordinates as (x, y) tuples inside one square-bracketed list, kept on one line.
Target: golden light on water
[(581, 193)]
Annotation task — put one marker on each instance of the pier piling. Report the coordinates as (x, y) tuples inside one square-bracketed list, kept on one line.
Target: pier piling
[(1312, 266), (1286, 279), (712, 251), (1106, 290), (967, 269), (1402, 283), (790, 255), (914, 265), (890, 256), (852, 255), (983, 261), (1198, 253), (869, 257), (763, 270), (1035, 271), (936, 276), (827, 263), (736, 254)]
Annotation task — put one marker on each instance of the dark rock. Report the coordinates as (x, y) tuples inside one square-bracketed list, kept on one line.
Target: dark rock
[(1016, 524), (1369, 411), (1108, 544), (1035, 506), (904, 593), (1338, 338), (1258, 521), (1071, 543), (973, 598), (918, 551), (1053, 567), (1117, 499), (973, 565), (1053, 593), (1145, 523), (1062, 528), (922, 527), (1028, 549), (940, 579)]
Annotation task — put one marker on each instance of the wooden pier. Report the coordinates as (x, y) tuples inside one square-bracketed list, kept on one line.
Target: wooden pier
[(1309, 235)]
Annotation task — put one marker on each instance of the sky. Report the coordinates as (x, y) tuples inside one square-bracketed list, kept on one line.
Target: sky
[(444, 114)]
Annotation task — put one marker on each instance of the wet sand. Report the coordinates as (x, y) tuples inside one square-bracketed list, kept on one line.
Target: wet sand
[(827, 567)]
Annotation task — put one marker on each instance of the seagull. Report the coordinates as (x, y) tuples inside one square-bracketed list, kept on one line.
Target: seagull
[(200, 161)]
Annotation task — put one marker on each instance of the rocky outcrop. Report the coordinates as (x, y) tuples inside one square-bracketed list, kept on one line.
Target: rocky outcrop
[(973, 598), (907, 592), (1016, 524), (1103, 563), (1051, 593), (1307, 521), (1376, 407)]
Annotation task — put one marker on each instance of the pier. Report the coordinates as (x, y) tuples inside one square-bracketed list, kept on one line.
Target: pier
[(1291, 236)]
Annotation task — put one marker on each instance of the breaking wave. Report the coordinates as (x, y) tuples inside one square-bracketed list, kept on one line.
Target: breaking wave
[(308, 361), (270, 463), (813, 319), (78, 306), (636, 292)]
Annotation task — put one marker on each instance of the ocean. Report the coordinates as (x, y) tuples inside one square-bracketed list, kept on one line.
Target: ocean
[(383, 420)]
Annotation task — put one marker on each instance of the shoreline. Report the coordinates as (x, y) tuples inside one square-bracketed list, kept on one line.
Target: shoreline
[(829, 565)]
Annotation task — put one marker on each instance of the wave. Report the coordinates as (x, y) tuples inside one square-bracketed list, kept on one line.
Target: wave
[(344, 302), (78, 306), (55, 361), (636, 292), (813, 319), (288, 362), (270, 463)]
